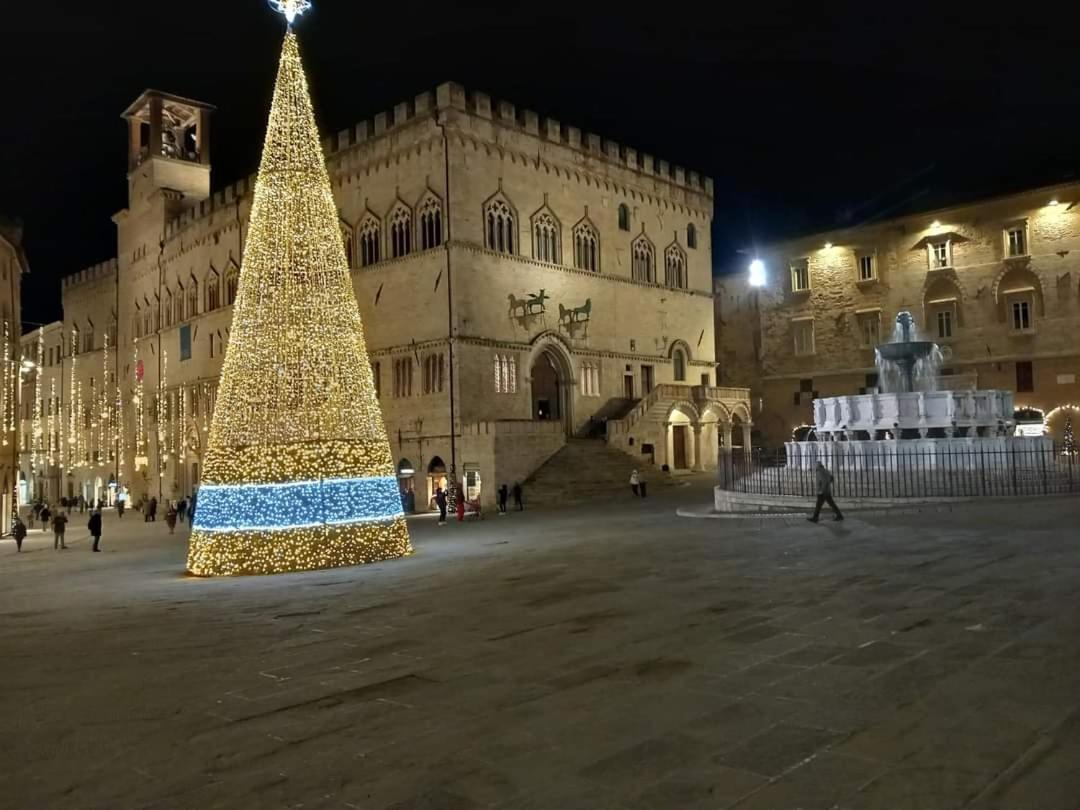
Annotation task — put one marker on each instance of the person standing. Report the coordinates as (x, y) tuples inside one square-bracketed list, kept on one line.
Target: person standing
[(460, 507), (635, 480), (94, 525), (170, 517), (440, 501), (18, 531), (46, 517), (518, 504), (504, 497), (181, 509), (151, 510), (121, 501), (59, 524), (824, 494)]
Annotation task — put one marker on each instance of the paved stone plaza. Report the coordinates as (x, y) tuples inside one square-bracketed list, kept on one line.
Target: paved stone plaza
[(602, 657)]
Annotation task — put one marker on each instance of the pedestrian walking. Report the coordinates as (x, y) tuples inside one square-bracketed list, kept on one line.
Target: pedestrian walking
[(18, 531), (46, 517), (504, 497), (94, 525), (170, 517), (181, 509), (518, 504), (151, 509), (824, 494), (59, 525), (635, 482), (440, 501)]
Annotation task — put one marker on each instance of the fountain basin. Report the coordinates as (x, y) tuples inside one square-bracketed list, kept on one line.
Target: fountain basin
[(916, 413), (912, 350)]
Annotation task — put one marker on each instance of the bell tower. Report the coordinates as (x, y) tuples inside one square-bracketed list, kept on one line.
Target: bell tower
[(168, 149)]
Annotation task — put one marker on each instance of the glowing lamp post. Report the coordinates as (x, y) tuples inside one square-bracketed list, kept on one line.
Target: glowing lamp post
[(757, 273)]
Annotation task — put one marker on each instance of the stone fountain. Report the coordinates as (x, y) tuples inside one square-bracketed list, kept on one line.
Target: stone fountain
[(908, 415)]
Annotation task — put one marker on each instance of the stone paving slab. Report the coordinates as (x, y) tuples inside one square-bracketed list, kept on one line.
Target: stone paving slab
[(604, 657)]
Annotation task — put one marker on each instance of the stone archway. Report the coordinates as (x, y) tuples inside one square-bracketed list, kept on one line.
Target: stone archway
[(551, 380), (682, 437)]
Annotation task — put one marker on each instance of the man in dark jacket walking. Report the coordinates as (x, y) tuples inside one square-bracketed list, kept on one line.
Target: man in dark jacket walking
[(517, 497), (440, 501), (504, 496), (94, 525), (824, 494)]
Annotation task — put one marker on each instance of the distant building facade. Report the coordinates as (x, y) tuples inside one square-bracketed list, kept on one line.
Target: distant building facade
[(520, 282), (995, 283)]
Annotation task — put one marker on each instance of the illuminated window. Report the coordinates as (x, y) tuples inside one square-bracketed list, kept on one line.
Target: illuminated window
[(675, 267), (624, 217), (369, 240), (505, 374), (430, 214), (400, 224), (867, 267), (1016, 240), (546, 238), (940, 254), (500, 226), (869, 328), (643, 260), (803, 336), (586, 247), (800, 275)]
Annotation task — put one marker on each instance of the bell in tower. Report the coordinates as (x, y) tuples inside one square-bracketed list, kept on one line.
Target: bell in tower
[(168, 147)]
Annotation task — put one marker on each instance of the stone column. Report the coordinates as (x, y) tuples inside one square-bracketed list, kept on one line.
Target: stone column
[(725, 467), (746, 438), (699, 456)]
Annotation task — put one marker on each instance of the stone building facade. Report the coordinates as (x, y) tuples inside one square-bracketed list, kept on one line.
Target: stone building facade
[(12, 265), (521, 282), (995, 283)]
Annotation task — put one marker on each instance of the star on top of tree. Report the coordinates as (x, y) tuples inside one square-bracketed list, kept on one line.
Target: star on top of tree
[(290, 8)]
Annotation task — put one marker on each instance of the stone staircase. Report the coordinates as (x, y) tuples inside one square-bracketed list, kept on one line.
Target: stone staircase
[(587, 469)]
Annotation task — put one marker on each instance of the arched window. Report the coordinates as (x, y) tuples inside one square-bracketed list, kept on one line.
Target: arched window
[(586, 247), (643, 260), (675, 267), (193, 298), (547, 236), (500, 226), (213, 290), (347, 241), (232, 282), (678, 364), (624, 217), (505, 374), (166, 310), (691, 236), (590, 380), (430, 215), (369, 240), (178, 304), (400, 223)]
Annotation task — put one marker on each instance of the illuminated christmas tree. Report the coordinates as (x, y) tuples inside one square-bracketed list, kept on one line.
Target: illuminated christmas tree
[(298, 473), (1068, 443)]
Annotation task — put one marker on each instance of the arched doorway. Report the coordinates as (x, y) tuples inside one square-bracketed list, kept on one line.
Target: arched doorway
[(406, 475), (682, 438), (551, 385), (436, 476)]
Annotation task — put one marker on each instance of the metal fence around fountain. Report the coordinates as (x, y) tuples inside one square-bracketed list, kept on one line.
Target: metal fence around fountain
[(912, 474)]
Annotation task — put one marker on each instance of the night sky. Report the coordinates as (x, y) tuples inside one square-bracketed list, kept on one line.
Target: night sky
[(805, 120)]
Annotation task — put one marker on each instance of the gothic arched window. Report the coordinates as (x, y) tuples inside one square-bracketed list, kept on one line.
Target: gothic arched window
[(347, 241), (678, 363), (643, 260), (213, 290), (166, 310), (624, 217), (178, 304), (675, 267), (232, 282), (586, 247), (430, 216), (400, 224), (193, 298), (500, 225), (547, 236), (369, 240)]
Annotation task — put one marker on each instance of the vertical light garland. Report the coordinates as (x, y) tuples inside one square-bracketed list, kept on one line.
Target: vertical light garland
[(39, 406), (72, 437), (163, 416), (298, 473), (8, 399)]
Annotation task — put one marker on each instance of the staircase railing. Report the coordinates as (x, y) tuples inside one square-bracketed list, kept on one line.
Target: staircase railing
[(643, 406)]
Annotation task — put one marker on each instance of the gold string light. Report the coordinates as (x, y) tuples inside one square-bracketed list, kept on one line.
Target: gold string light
[(298, 473)]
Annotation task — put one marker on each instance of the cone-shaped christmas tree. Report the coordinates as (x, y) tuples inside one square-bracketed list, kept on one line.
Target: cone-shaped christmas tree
[(298, 473)]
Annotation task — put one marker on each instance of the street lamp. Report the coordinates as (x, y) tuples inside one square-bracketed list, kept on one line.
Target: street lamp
[(757, 273)]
